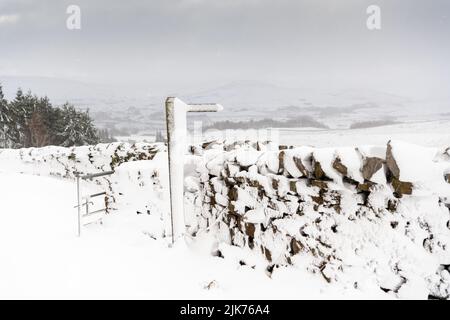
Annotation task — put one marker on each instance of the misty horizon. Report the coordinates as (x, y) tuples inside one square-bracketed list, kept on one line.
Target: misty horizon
[(185, 46)]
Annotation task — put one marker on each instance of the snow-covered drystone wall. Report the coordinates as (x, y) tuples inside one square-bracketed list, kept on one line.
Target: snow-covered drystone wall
[(136, 185), (64, 162), (366, 217)]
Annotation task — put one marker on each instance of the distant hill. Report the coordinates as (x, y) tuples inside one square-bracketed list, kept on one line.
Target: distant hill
[(256, 95)]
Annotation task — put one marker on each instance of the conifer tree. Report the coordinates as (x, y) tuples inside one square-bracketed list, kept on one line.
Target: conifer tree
[(78, 127), (5, 120), (32, 121)]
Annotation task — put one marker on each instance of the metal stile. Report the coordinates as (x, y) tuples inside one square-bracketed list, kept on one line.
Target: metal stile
[(88, 198)]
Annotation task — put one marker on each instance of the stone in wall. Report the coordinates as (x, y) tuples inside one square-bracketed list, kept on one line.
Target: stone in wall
[(400, 187), (371, 166)]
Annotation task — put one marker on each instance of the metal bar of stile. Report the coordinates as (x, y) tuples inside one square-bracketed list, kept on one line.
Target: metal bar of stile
[(176, 111), (89, 176)]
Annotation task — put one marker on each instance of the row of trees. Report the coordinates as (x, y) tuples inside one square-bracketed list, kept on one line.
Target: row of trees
[(297, 122), (32, 121)]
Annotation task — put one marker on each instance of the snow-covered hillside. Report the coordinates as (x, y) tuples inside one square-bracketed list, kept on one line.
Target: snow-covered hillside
[(257, 95), (423, 133), (262, 222), (135, 110)]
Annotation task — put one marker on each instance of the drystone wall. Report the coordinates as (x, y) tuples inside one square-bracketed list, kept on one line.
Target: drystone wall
[(371, 216), (65, 163), (367, 216)]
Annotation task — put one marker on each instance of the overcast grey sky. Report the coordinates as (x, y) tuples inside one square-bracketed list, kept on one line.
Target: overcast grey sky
[(185, 44)]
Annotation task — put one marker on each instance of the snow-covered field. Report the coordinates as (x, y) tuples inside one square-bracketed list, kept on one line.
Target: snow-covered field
[(426, 133), (435, 133), (432, 133)]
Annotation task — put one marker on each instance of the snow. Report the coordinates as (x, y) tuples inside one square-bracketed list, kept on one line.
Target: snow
[(42, 258), (360, 242), (255, 216), (128, 254), (423, 133), (421, 166), (350, 158)]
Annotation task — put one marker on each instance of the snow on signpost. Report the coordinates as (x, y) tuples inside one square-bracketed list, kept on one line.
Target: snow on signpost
[(176, 138)]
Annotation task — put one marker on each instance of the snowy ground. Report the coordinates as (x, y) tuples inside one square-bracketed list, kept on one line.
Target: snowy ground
[(433, 133), (41, 257), (426, 133)]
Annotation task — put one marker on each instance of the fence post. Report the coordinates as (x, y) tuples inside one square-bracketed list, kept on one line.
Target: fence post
[(78, 205), (176, 140), (87, 205)]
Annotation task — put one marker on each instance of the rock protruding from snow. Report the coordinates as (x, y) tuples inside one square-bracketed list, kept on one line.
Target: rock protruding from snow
[(371, 166), (400, 187)]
